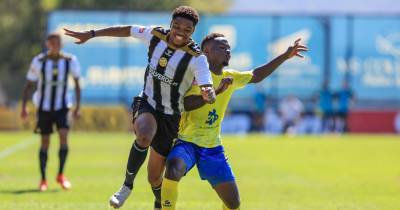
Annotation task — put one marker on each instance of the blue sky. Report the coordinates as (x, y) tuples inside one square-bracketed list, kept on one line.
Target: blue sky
[(317, 6)]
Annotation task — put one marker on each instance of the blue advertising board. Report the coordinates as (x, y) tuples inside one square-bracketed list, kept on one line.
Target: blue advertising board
[(113, 68)]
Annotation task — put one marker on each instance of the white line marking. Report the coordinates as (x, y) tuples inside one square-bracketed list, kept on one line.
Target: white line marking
[(15, 148)]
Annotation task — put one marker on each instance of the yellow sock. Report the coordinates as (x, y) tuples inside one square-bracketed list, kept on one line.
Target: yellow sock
[(226, 208), (169, 194)]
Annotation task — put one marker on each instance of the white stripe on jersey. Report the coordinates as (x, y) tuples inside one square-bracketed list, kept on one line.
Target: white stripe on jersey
[(170, 73), (185, 85), (48, 85), (148, 90), (60, 88), (47, 92), (191, 64)]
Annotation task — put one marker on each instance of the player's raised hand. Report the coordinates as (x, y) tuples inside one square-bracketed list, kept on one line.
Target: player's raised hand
[(208, 94), (296, 49), (81, 36), (225, 82)]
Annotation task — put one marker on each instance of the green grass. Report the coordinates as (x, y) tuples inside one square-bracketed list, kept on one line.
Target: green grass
[(273, 173)]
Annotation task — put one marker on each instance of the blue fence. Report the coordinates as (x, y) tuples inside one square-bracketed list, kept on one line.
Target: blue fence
[(364, 49)]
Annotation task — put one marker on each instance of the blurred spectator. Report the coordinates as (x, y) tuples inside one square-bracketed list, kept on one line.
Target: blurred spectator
[(310, 123), (397, 122), (291, 109), (260, 102), (273, 123), (344, 98), (326, 107), (236, 123)]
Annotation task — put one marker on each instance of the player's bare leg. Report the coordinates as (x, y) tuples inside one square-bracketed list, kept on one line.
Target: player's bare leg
[(175, 170), (44, 146), (145, 127), (155, 171), (62, 155), (229, 194)]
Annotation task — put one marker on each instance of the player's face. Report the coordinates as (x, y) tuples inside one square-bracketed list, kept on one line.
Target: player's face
[(53, 45), (181, 31), (220, 51)]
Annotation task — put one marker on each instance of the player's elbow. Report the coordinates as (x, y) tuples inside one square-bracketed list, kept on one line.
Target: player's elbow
[(188, 108), (256, 79), (189, 103)]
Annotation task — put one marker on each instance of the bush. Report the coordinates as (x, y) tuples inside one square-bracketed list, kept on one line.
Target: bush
[(93, 118), (103, 118)]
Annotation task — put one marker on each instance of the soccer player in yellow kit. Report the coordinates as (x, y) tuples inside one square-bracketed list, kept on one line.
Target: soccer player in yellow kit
[(199, 139)]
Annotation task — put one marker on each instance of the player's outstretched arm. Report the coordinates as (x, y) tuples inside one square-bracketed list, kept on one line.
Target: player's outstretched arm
[(83, 36), (193, 102), (260, 73)]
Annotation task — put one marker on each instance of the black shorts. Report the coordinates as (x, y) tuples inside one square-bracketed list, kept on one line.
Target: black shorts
[(167, 126), (46, 120)]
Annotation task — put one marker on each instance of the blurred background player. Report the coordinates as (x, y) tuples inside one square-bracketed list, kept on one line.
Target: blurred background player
[(344, 99), (326, 107), (174, 59), (199, 139), (50, 70)]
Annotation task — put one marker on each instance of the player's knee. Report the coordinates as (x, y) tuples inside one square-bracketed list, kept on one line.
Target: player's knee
[(63, 133), (144, 139), (44, 145), (233, 203), (154, 180), (175, 169)]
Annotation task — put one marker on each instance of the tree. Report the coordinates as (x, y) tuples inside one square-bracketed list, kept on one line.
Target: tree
[(22, 24)]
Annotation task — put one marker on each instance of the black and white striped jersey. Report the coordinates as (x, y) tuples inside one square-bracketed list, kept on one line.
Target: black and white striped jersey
[(51, 75), (170, 71)]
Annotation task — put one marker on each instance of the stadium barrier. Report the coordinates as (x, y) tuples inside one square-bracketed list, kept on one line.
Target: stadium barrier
[(372, 121)]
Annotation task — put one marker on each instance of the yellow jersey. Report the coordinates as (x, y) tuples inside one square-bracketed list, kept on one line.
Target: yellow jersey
[(202, 126)]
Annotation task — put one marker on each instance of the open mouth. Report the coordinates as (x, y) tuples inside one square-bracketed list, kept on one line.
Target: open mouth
[(179, 37)]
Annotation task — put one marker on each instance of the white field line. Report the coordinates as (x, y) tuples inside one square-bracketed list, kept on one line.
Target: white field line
[(17, 147)]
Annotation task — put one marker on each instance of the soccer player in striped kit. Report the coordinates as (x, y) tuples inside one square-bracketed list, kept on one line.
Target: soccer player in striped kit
[(174, 60), (51, 70)]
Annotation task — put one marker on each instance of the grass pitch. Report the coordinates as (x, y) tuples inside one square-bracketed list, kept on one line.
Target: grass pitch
[(273, 173)]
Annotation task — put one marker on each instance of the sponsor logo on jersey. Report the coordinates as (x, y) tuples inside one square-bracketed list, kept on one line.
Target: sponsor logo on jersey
[(162, 78), (163, 62)]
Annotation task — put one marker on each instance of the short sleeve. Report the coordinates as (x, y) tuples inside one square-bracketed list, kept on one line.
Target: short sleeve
[(34, 70), (201, 70), (142, 32), (241, 78), (75, 67)]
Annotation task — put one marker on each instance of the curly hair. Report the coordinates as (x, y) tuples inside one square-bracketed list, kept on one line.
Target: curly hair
[(186, 12), (210, 37)]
